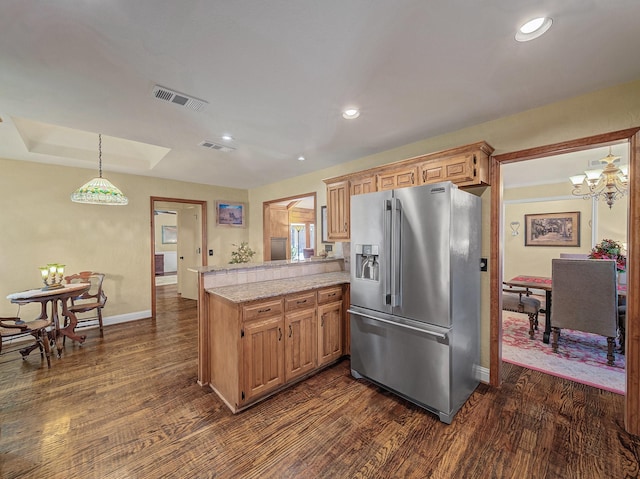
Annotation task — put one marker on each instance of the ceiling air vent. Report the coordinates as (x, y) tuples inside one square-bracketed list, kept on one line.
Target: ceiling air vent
[(172, 96), (216, 146)]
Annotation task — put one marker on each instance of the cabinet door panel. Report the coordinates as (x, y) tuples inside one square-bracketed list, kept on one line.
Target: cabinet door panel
[(329, 332), (362, 185), (300, 344), (263, 350), (338, 211)]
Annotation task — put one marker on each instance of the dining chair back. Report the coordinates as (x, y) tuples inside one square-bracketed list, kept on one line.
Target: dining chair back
[(91, 301), (519, 300), (13, 331), (585, 299)]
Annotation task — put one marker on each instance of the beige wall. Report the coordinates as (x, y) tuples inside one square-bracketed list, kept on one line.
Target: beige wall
[(536, 260), (599, 112), (40, 225)]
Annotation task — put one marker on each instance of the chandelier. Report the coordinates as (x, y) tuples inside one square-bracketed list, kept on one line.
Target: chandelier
[(609, 183), (99, 191)]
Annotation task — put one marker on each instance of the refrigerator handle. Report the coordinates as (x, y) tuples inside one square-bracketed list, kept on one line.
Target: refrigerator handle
[(388, 251), (396, 226)]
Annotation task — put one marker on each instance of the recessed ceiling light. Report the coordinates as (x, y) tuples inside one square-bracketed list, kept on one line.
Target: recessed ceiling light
[(533, 29), (350, 113), (227, 137), (301, 158)]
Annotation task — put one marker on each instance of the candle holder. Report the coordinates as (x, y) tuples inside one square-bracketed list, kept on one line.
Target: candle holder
[(52, 275)]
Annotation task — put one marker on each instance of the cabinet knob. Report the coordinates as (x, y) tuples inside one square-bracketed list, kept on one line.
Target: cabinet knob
[(290, 331), (345, 226), (279, 333)]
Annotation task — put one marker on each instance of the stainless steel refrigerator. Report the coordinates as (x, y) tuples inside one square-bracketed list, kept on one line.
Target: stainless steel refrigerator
[(415, 293)]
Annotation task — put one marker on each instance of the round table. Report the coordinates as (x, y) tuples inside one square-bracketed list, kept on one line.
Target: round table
[(45, 296)]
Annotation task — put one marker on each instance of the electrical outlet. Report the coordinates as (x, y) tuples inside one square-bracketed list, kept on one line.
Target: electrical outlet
[(483, 264), (210, 252)]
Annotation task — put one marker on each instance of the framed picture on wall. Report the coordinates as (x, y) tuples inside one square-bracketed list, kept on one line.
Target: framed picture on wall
[(169, 234), (552, 229), (230, 214)]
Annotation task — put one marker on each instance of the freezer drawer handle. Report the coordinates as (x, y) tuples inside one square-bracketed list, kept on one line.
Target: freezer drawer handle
[(431, 333)]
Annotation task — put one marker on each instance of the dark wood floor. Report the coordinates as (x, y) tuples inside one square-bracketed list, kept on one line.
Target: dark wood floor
[(128, 406)]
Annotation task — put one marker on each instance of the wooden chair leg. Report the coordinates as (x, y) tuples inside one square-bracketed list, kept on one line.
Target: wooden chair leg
[(100, 321), (611, 343), (554, 338), (532, 323)]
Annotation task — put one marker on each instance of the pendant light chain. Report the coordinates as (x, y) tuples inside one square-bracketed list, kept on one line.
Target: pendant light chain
[(100, 153)]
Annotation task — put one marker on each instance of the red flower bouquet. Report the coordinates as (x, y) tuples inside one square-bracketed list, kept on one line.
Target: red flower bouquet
[(610, 249)]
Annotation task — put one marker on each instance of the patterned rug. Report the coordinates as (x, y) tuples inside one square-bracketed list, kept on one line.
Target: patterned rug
[(581, 357)]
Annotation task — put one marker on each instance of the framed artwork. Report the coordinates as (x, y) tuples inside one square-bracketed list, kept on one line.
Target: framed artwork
[(552, 229), (169, 234), (230, 214)]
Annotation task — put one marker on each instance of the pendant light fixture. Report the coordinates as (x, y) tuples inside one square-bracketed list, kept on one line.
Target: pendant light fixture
[(609, 183), (99, 191)]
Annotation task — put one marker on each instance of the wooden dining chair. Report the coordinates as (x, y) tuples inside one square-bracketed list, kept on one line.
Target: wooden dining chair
[(585, 298), (13, 330), (92, 301), (518, 300)]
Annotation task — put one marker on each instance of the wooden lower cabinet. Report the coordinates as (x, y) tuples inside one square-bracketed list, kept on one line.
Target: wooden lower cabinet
[(263, 350), (329, 332), (261, 346), (300, 343)]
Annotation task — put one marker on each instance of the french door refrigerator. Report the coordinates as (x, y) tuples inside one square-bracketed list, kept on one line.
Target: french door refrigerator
[(415, 293)]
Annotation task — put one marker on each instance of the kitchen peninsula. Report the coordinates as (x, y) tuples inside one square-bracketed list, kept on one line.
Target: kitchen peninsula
[(263, 326)]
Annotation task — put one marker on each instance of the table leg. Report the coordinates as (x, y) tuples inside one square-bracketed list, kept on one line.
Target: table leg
[(68, 331), (547, 315)]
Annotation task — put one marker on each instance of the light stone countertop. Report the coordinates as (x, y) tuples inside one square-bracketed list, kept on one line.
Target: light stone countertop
[(268, 289), (266, 264)]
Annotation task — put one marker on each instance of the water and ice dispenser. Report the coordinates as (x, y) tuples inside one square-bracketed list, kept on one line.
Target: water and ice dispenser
[(367, 262)]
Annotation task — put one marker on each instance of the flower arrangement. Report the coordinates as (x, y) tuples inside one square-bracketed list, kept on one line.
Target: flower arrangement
[(610, 249), (242, 254)]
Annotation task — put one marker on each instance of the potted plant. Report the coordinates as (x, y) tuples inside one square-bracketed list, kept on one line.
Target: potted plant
[(611, 249), (242, 254)]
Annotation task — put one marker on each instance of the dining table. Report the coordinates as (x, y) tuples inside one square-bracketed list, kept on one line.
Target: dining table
[(544, 283), (55, 298)]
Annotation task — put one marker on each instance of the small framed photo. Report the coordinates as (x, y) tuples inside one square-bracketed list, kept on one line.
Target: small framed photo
[(552, 229), (230, 214), (169, 234)]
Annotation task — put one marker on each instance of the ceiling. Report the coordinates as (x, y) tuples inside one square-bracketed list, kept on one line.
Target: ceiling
[(276, 75)]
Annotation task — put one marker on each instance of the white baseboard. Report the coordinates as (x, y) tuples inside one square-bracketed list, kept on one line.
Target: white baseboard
[(125, 318), (482, 374)]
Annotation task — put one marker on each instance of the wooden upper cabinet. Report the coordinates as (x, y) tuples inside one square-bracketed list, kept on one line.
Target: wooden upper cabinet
[(466, 166), (365, 184), (338, 211), (400, 178)]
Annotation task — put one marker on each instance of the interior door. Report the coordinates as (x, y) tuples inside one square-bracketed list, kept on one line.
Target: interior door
[(189, 250)]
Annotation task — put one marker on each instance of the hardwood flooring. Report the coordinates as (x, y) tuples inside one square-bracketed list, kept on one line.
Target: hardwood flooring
[(128, 406)]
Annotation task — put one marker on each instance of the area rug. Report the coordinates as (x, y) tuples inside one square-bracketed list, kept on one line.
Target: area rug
[(581, 357)]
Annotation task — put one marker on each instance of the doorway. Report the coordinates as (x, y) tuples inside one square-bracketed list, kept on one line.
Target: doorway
[(534, 189), (632, 137), (180, 227), (289, 231)]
